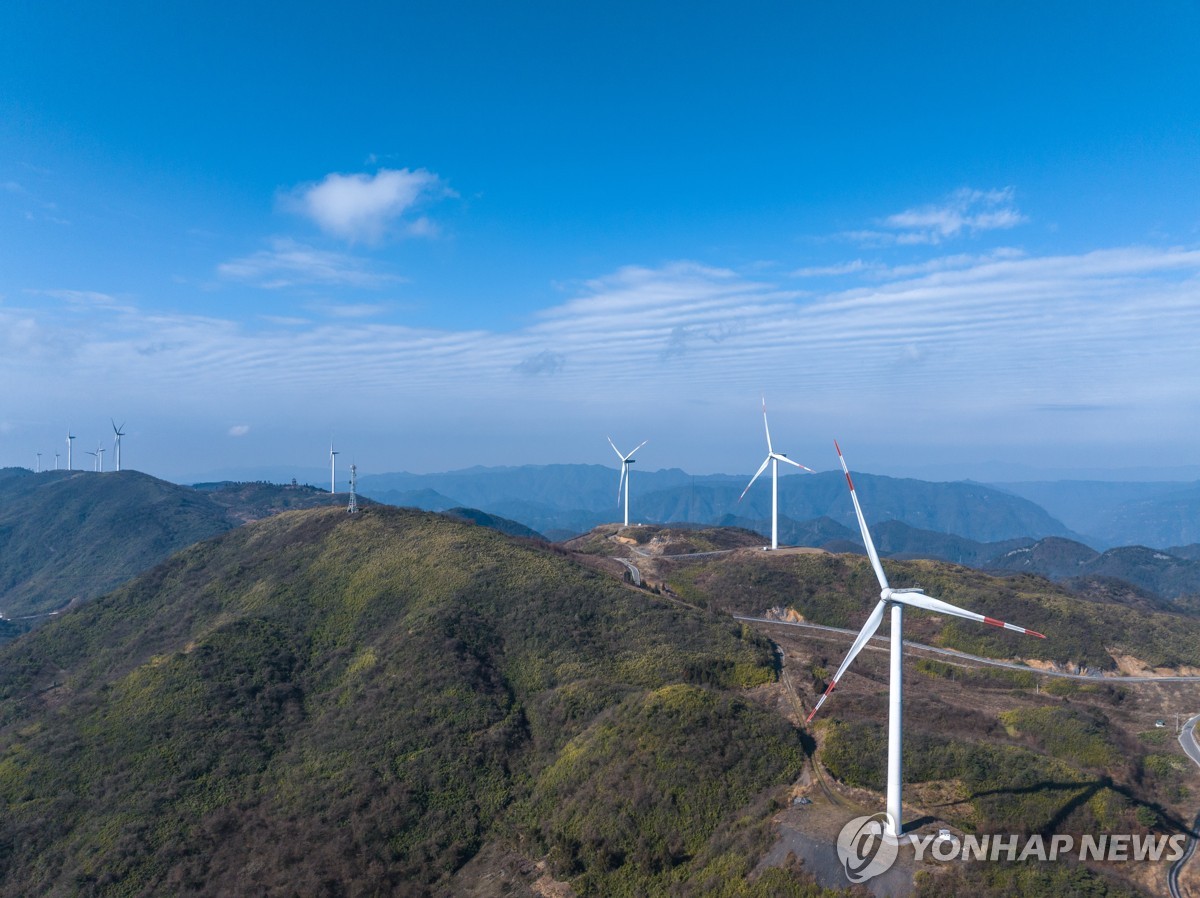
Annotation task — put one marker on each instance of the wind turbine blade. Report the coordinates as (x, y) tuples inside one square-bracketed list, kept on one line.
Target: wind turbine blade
[(770, 451), (766, 461), (795, 464), (928, 603), (615, 449), (862, 523), (864, 634), (630, 455)]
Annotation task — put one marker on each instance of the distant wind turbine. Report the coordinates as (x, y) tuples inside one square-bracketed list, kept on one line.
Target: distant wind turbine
[(773, 459), (95, 459), (895, 599), (56, 461), (120, 432), (626, 461), (70, 437), (332, 469), (39, 463)]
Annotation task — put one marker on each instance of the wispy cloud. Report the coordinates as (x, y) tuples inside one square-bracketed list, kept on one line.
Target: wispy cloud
[(981, 339), (363, 207), (84, 299), (854, 266), (349, 310), (965, 212), (239, 430), (290, 264)]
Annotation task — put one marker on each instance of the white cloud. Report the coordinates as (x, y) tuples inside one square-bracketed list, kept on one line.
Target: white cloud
[(239, 430), (852, 267), (979, 339), (964, 212), (290, 264), (348, 310), (362, 207)]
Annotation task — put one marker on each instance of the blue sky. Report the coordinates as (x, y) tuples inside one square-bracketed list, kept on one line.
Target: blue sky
[(469, 233)]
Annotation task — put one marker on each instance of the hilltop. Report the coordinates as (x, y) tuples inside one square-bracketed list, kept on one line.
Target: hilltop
[(319, 703), (1161, 573), (69, 536), (1085, 628)]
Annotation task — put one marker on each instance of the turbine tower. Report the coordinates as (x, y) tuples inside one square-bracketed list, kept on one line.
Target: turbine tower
[(626, 461), (56, 461), (773, 459), (70, 437), (332, 469), (120, 432), (94, 458), (100, 459), (895, 599), (39, 463)]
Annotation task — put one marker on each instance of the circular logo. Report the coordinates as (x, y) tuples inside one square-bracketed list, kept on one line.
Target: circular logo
[(862, 848)]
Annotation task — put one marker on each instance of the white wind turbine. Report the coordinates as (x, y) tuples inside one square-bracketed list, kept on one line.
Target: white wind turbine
[(773, 459), (895, 599), (96, 459), (120, 432), (332, 469), (39, 463), (70, 438), (626, 461)]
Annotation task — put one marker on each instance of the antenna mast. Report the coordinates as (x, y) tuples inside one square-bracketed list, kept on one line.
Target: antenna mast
[(353, 507)]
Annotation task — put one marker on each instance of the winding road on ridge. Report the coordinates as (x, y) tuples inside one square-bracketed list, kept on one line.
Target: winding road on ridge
[(1012, 665), (1187, 738)]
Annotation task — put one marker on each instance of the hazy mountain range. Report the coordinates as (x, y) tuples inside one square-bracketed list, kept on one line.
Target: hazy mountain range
[(563, 500)]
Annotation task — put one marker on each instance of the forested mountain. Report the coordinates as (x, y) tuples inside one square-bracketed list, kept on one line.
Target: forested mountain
[(69, 536), (331, 704)]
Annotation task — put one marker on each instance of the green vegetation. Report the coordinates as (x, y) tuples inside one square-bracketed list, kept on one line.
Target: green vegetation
[(1070, 734), (977, 677), (72, 536), (1031, 879), (839, 591), (1008, 787), (324, 704)]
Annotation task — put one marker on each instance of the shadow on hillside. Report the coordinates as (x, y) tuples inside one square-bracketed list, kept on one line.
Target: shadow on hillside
[(1085, 792)]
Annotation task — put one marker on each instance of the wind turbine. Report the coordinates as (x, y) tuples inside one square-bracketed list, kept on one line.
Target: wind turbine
[(626, 461), (773, 459), (39, 463), (70, 437), (332, 469), (895, 599), (95, 456), (120, 432), (56, 461)]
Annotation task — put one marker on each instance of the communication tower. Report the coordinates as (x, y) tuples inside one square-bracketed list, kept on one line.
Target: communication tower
[(353, 507)]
